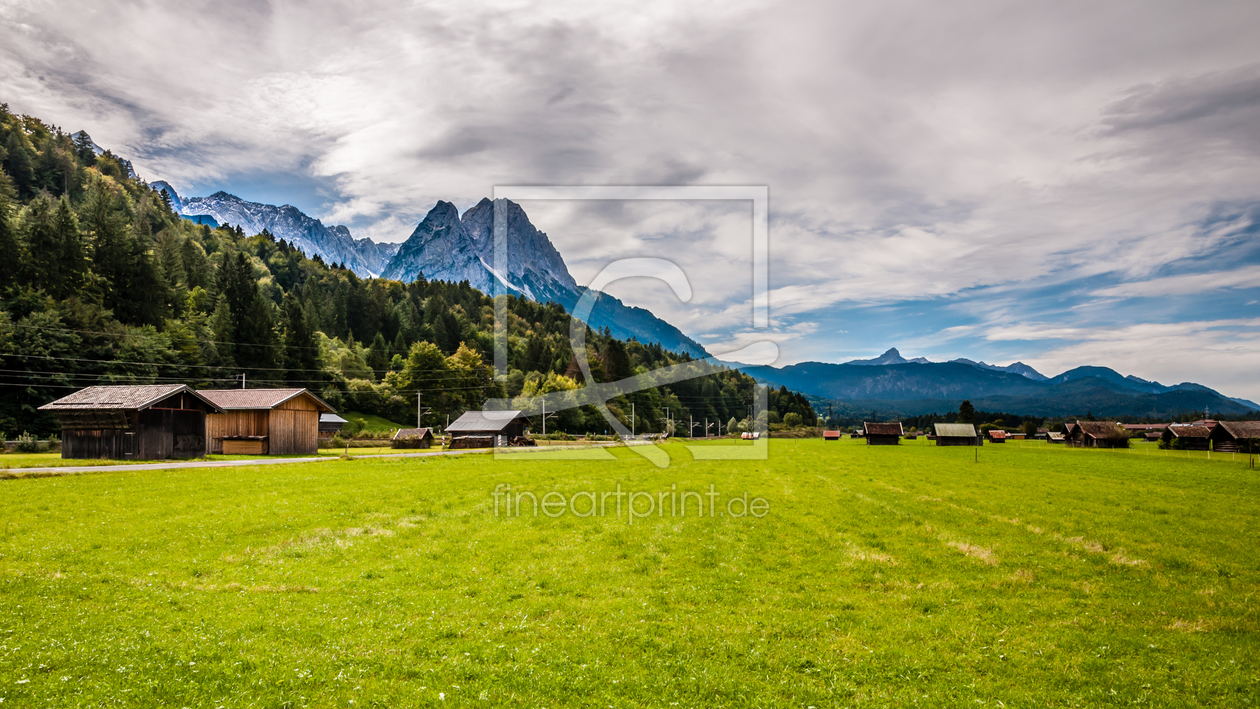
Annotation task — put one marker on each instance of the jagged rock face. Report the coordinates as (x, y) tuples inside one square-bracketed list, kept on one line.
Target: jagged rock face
[(446, 248), (332, 244), (534, 267), (440, 249)]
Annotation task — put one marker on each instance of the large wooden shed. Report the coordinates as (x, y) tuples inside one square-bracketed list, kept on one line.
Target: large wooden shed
[(1236, 436), (140, 422), (264, 421)]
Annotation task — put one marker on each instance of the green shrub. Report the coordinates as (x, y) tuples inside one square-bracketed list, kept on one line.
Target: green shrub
[(26, 443), (353, 427)]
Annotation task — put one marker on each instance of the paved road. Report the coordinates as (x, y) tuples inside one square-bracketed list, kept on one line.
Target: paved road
[(72, 469)]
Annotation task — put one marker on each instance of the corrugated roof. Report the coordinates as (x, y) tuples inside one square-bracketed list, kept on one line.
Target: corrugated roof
[(406, 433), (997, 433), (955, 430), (331, 418), (882, 429), (1241, 429), (245, 399), (124, 397), (484, 421), (1190, 431)]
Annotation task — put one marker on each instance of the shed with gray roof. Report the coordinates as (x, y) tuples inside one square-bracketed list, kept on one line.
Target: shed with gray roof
[(955, 434)]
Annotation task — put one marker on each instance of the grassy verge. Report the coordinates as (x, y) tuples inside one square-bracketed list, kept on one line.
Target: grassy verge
[(879, 576)]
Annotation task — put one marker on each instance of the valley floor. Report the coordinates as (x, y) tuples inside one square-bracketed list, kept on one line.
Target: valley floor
[(905, 575)]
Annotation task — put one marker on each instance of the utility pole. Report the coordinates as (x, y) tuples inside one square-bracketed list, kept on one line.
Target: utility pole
[(668, 426), (545, 415), (632, 419), (691, 426), (242, 380), (420, 412)]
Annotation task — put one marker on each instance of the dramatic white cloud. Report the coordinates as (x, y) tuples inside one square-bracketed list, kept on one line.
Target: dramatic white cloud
[(1003, 163)]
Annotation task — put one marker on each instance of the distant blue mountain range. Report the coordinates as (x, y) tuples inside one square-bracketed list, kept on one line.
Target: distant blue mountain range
[(892, 383)]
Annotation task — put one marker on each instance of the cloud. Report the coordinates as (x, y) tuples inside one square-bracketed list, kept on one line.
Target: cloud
[(1222, 354), (1017, 162), (1185, 284)]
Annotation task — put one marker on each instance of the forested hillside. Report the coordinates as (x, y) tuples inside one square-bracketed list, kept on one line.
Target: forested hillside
[(101, 282)]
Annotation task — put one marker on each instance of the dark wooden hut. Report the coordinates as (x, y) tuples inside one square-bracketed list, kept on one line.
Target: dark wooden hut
[(883, 434), (1236, 437), (330, 425), (141, 422), (486, 429), (264, 421), (956, 434), (996, 435), (412, 438), (1188, 437), (1096, 434)]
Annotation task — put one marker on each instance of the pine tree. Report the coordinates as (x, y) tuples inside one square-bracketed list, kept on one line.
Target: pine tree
[(73, 265), (17, 162), (223, 326), (43, 244), (966, 412), (12, 253), (378, 356), (301, 348)]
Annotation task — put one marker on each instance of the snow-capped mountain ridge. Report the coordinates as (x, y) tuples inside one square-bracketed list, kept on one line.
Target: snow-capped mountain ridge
[(446, 247), (334, 244)]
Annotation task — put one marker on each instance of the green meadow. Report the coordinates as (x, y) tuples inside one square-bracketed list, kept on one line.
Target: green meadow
[(887, 576)]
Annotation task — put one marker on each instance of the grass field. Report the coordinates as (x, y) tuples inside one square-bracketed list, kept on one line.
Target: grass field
[(373, 423), (886, 576)]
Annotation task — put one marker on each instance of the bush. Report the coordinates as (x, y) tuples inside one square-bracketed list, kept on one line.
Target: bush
[(353, 427), (26, 443), (337, 441)]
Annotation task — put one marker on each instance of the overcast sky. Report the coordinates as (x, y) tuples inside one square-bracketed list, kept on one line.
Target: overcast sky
[(1063, 184)]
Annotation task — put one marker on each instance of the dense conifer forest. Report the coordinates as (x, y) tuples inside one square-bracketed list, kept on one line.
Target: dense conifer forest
[(101, 282)]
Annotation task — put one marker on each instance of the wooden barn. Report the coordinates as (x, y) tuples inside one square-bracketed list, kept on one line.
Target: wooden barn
[(142, 422), (831, 435), (487, 429), (412, 438), (1187, 437), (1096, 434), (264, 421), (956, 434), (883, 434), (996, 435), (1236, 437)]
